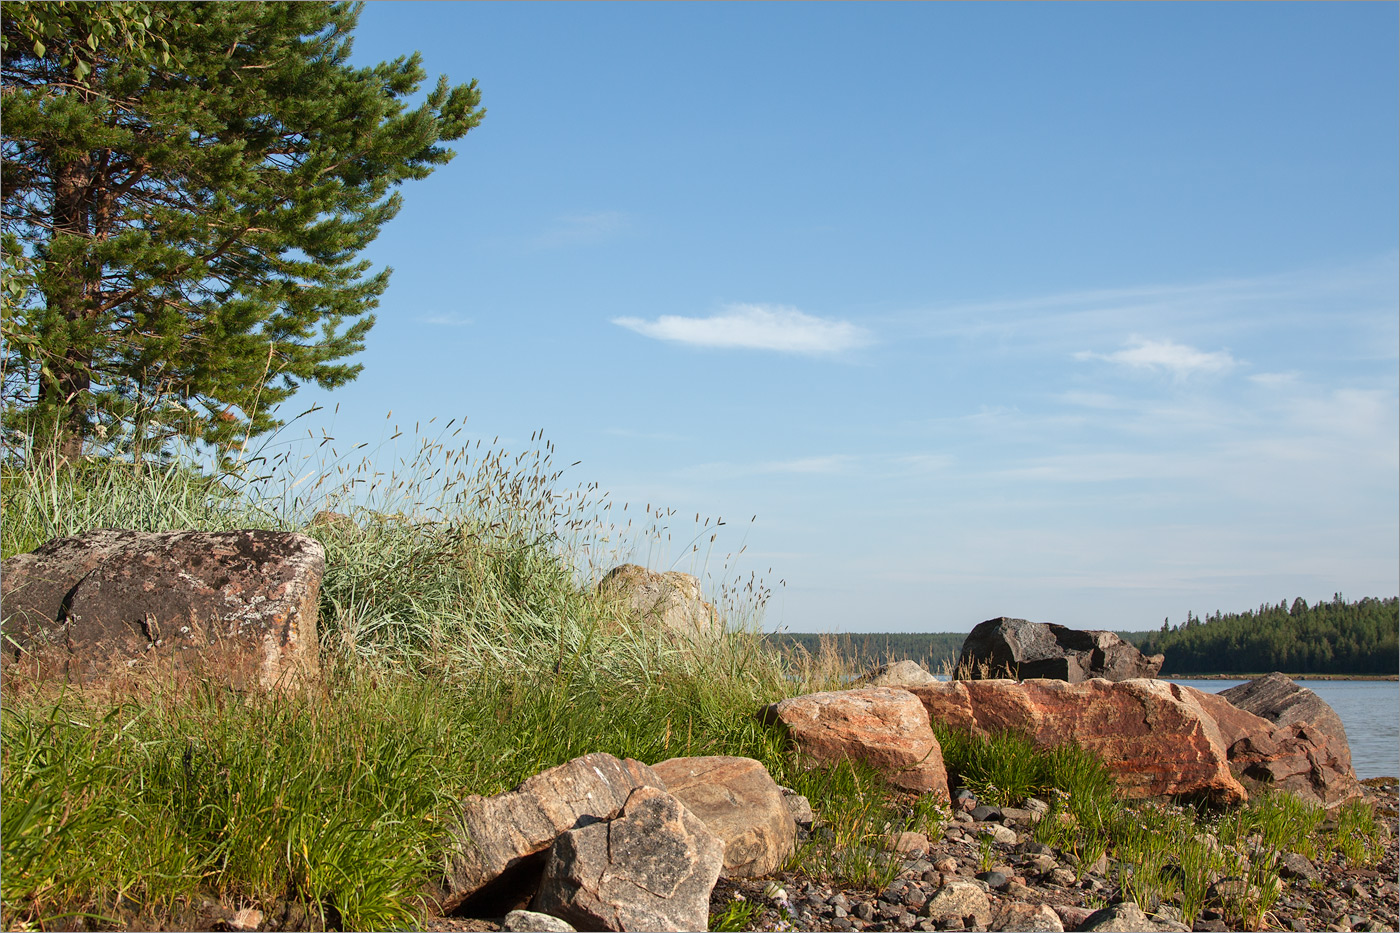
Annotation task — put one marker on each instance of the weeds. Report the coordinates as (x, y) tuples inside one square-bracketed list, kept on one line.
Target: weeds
[(856, 813), (738, 914)]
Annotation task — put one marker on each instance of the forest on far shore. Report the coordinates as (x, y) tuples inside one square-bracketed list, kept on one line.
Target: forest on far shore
[(1335, 637)]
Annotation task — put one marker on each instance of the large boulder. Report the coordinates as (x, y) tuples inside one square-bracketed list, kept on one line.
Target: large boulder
[(652, 867), (1156, 737), (1283, 702), (238, 606), (1026, 650), (1283, 736), (669, 600), (739, 802), (498, 844), (884, 727)]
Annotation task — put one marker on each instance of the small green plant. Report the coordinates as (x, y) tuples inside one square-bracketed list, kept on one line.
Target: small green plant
[(857, 814), (986, 852), (737, 915), (1357, 836), (1199, 861)]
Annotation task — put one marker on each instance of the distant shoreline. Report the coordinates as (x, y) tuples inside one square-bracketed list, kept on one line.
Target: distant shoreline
[(1289, 676)]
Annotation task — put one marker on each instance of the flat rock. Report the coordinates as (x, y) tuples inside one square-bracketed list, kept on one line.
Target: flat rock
[(236, 606), (497, 846), (1155, 737), (1024, 650), (652, 867), (740, 803), (885, 727)]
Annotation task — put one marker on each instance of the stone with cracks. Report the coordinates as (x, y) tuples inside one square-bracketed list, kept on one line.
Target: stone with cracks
[(960, 901), (1025, 650), (669, 600), (652, 867), (1156, 737), (1296, 755), (498, 844), (884, 727), (237, 606), (740, 803), (898, 674)]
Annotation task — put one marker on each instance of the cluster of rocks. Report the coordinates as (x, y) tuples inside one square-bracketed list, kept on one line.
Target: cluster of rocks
[(601, 843), (1030, 886), (238, 606), (984, 871), (1158, 739), (606, 844)]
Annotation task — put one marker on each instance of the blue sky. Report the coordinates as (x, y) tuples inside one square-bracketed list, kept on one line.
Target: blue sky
[(1080, 313)]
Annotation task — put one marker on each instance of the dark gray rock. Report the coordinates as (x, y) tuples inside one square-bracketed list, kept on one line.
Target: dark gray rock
[(1281, 701), (1025, 650), (994, 879), (983, 813), (238, 606), (1295, 865), (1125, 918)]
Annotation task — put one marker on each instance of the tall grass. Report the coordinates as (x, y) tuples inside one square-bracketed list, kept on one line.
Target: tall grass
[(466, 648)]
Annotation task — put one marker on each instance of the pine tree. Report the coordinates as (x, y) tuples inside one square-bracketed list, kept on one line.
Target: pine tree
[(187, 190)]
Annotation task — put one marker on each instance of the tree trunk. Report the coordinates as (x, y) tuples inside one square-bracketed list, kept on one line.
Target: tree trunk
[(73, 292)]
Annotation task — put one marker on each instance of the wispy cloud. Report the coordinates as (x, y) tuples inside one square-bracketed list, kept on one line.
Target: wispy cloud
[(582, 229), (1274, 380), (755, 327), (1178, 359), (836, 463), (445, 319), (645, 435)]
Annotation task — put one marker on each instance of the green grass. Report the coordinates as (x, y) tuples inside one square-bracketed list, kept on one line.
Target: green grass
[(466, 648)]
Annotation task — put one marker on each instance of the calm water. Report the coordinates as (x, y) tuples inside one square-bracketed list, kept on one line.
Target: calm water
[(1370, 710)]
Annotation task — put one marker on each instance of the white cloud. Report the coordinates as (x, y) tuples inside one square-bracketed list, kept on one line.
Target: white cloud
[(755, 327), (1176, 358), (447, 319), (1274, 380), (582, 229), (835, 463)]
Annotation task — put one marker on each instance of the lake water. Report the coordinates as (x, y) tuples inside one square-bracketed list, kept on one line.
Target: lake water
[(1369, 709)]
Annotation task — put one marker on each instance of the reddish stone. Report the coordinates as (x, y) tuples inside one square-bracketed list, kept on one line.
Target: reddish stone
[(1156, 737), (884, 727)]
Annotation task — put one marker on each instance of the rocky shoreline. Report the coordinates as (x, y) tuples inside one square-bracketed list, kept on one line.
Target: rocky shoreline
[(1034, 887)]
